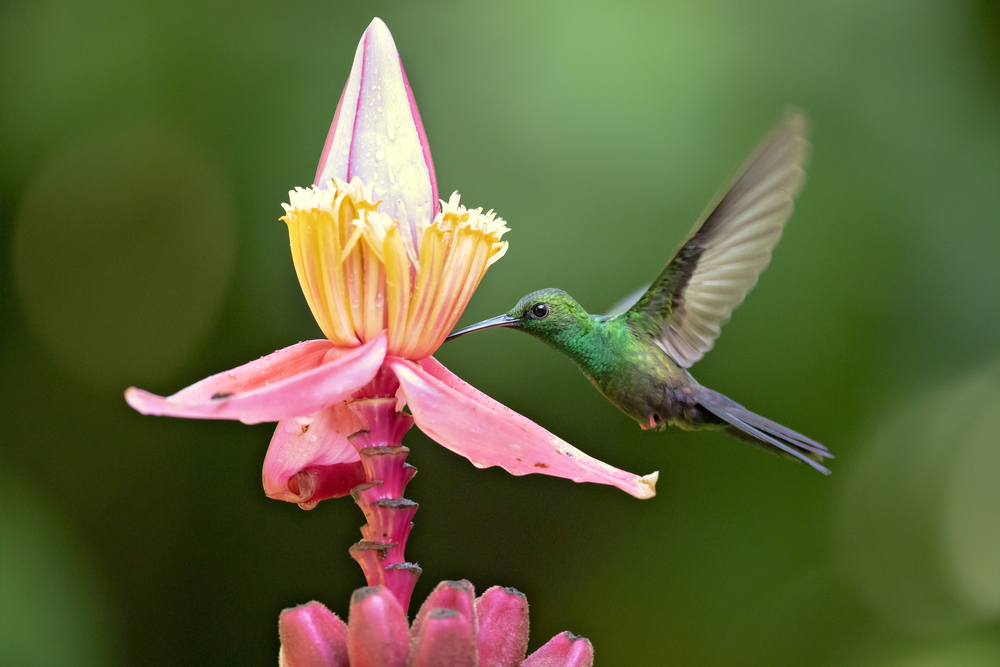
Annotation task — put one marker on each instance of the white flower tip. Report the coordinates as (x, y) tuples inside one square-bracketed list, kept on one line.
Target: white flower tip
[(378, 27), (132, 396), (648, 485), (378, 38)]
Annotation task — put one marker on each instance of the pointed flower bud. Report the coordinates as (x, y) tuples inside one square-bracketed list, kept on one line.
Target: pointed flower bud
[(377, 136)]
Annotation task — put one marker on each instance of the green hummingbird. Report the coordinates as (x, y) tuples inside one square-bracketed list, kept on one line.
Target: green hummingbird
[(639, 358)]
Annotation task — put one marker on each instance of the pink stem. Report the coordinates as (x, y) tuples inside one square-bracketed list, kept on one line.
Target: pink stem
[(389, 515)]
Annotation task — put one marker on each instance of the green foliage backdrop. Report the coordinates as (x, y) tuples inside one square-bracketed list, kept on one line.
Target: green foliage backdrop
[(145, 149)]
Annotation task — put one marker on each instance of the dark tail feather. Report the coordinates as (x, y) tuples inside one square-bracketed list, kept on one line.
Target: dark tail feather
[(758, 430)]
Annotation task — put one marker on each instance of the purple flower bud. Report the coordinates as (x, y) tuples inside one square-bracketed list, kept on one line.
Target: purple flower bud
[(378, 634), (447, 639), (312, 636), (563, 650), (503, 627), (457, 595), (452, 629)]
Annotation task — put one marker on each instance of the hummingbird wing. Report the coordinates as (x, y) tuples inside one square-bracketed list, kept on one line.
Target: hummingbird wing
[(730, 245), (622, 305)]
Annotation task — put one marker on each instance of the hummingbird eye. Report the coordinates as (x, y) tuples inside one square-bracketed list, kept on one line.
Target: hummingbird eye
[(540, 311)]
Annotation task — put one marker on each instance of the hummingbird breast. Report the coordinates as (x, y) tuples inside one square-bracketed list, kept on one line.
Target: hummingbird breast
[(640, 379)]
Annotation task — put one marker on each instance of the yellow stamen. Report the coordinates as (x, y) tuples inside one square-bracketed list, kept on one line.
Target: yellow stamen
[(397, 287), (360, 278), (374, 298)]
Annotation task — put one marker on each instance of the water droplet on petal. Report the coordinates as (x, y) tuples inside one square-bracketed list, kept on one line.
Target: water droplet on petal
[(380, 155), (390, 129)]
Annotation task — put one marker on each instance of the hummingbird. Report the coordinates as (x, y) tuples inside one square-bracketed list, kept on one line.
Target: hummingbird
[(639, 358)]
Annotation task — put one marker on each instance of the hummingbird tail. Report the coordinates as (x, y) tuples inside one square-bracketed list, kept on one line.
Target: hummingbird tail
[(757, 430)]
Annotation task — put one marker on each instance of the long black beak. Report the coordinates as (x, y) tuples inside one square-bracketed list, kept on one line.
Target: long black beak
[(499, 321)]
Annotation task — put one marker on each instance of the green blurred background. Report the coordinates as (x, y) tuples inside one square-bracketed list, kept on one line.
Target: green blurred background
[(146, 148)]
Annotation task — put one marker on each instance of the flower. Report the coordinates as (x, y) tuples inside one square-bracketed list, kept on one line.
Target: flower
[(453, 628), (387, 271)]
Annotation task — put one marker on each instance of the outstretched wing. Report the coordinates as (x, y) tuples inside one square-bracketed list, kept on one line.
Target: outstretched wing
[(719, 263)]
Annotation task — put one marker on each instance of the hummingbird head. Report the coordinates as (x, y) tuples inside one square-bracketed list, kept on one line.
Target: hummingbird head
[(543, 314)]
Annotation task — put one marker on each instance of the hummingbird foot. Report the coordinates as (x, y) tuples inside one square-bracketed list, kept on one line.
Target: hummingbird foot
[(655, 423)]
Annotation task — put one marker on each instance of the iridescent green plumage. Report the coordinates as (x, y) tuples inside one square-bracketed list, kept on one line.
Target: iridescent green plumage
[(639, 358)]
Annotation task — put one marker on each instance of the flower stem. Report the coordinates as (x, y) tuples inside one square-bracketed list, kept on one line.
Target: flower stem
[(389, 515)]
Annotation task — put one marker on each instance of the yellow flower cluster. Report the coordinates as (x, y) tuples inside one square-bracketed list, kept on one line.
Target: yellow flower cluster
[(360, 277)]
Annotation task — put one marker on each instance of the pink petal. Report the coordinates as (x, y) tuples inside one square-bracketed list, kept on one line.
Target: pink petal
[(296, 381), (377, 632), (312, 636), (377, 135), (503, 627), (470, 423), (447, 639), (563, 650), (310, 458)]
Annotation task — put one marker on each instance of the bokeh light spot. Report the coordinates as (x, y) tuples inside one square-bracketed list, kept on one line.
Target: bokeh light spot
[(916, 525), (973, 652), (972, 512), (55, 609), (123, 250)]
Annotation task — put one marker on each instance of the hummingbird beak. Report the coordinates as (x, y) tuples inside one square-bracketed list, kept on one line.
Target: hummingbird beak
[(499, 321)]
